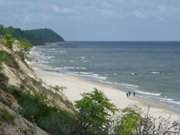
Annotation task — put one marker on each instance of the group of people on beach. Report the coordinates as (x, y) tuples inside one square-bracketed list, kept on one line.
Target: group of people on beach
[(128, 94)]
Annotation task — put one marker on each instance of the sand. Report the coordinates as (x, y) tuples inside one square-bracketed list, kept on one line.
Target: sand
[(75, 86)]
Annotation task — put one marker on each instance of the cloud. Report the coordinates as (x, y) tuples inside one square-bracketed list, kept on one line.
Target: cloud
[(138, 14), (55, 8), (64, 10), (84, 16)]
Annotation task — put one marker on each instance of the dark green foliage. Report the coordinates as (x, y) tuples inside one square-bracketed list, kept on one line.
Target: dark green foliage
[(128, 122), (8, 40), (8, 59), (6, 117), (35, 37), (95, 112), (41, 36), (6, 35), (35, 108), (3, 81), (9, 34), (25, 44)]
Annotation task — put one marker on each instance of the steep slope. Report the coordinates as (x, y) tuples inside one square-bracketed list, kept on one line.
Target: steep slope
[(12, 123), (25, 99)]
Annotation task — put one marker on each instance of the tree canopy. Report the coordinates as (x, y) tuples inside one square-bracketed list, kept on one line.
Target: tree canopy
[(95, 111), (35, 36)]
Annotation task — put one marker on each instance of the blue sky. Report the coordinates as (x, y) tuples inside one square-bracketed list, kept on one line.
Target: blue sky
[(97, 19)]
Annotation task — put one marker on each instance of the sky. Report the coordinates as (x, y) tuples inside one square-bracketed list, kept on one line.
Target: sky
[(97, 20)]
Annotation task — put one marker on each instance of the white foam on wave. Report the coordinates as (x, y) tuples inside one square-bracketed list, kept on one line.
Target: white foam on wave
[(47, 57), (62, 51), (93, 75), (147, 93), (70, 68), (85, 73), (170, 100), (52, 49), (155, 72), (175, 102), (99, 77), (133, 73), (127, 85), (83, 59)]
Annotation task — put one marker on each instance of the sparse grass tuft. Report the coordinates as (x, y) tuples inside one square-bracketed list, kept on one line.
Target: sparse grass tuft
[(7, 58), (6, 117)]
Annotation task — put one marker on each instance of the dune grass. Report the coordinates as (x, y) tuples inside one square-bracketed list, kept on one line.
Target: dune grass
[(8, 59), (6, 117)]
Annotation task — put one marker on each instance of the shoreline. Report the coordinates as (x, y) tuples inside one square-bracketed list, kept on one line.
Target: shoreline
[(75, 86)]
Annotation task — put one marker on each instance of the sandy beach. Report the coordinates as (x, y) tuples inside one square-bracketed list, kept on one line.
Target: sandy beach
[(75, 86)]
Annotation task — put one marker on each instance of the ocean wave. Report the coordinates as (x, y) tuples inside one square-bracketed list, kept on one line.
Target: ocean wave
[(84, 73), (155, 72), (133, 73), (170, 100), (52, 49), (148, 93), (62, 51), (127, 85), (83, 59), (70, 68), (174, 102), (92, 75), (47, 57)]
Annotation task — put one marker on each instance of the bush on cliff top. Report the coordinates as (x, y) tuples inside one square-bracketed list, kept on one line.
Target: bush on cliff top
[(8, 59)]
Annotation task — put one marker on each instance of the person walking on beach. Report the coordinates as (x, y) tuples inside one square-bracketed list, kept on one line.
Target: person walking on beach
[(127, 94), (134, 93)]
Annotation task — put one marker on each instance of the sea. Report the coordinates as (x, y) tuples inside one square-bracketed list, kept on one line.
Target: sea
[(151, 69)]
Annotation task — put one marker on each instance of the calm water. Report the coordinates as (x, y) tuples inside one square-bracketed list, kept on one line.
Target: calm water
[(152, 69)]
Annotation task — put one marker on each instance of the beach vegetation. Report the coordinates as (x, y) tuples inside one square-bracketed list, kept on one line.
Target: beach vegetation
[(95, 111), (3, 80), (6, 117), (157, 126), (25, 45), (35, 108), (59, 88), (128, 122), (8, 40), (9, 34), (8, 59), (35, 36)]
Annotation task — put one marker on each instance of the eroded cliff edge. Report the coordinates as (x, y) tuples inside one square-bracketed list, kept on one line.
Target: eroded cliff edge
[(27, 104)]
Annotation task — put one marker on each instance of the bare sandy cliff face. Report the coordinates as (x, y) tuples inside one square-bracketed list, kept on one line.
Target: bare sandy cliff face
[(16, 73)]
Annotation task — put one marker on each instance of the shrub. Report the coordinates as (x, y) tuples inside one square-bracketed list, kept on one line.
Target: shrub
[(3, 81), (25, 44), (7, 58), (128, 122), (95, 112), (8, 40), (35, 108), (6, 117)]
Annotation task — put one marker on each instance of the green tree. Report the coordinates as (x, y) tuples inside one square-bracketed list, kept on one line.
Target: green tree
[(128, 122), (95, 111)]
